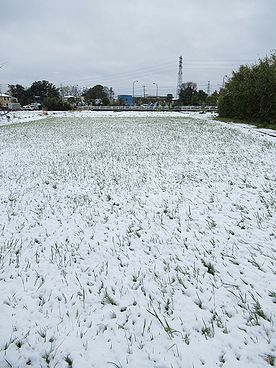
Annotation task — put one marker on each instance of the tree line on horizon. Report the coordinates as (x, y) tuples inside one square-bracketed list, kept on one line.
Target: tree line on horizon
[(249, 95), (51, 97), (190, 96)]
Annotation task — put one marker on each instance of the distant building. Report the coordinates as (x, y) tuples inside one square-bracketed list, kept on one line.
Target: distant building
[(126, 100), (8, 102), (5, 100)]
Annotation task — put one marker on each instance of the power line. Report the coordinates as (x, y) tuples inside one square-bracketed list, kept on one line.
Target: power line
[(161, 67)]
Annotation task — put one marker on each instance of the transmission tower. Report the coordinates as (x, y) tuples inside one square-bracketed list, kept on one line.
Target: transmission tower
[(144, 89), (179, 78), (208, 88)]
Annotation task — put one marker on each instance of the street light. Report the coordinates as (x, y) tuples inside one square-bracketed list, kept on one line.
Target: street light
[(133, 91), (223, 80), (156, 88)]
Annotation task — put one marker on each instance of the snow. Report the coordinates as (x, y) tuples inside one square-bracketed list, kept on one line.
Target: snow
[(136, 240), (25, 116), (270, 132), (17, 117)]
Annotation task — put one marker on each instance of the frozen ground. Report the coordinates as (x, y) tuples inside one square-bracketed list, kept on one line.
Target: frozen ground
[(25, 116), (144, 241)]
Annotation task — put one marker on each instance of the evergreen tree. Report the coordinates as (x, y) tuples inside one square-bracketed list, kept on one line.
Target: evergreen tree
[(97, 92), (251, 92), (189, 96), (19, 92), (40, 90), (213, 99), (187, 92)]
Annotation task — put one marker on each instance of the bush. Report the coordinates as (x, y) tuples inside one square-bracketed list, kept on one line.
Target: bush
[(55, 104), (251, 93)]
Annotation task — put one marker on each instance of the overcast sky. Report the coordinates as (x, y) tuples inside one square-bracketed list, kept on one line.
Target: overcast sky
[(114, 42)]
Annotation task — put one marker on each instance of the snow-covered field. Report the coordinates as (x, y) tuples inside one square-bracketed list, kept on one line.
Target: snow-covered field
[(136, 241)]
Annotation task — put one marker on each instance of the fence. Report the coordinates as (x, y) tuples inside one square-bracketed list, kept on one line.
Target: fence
[(149, 108)]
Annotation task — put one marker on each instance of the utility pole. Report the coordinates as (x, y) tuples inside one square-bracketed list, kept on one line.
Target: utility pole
[(208, 88), (133, 93), (156, 88), (179, 77)]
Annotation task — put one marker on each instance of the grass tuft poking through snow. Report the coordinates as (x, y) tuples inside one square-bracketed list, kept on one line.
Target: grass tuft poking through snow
[(136, 241)]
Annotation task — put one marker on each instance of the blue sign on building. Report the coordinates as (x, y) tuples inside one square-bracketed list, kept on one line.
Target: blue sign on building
[(127, 100)]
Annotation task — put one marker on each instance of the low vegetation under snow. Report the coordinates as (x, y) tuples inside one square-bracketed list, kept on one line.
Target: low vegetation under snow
[(136, 242)]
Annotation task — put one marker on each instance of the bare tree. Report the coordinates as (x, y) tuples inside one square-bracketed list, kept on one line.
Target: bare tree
[(191, 85)]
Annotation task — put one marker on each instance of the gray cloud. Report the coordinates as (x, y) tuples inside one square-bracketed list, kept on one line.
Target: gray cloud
[(116, 42)]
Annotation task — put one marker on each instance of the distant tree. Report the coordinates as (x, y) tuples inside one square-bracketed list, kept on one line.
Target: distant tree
[(191, 85), (169, 99), (213, 99), (190, 96), (187, 93), (251, 92), (40, 90), (73, 101), (55, 104), (105, 101), (73, 91), (19, 92), (199, 98), (97, 92)]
